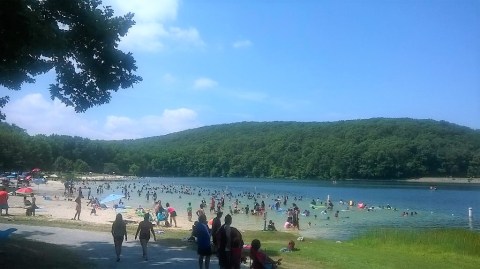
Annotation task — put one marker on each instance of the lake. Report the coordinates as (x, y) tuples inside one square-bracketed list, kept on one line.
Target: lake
[(447, 206)]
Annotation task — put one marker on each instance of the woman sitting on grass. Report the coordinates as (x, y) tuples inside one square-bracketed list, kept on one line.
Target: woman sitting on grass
[(260, 260)]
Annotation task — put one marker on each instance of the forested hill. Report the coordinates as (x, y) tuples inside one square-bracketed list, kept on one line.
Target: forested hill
[(365, 149)]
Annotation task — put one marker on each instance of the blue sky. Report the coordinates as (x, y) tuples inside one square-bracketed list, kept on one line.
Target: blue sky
[(213, 62)]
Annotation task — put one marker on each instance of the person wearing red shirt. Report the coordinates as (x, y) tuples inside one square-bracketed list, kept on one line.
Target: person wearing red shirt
[(3, 201), (260, 260)]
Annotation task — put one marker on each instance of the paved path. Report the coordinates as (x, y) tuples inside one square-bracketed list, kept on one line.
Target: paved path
[(97, 247)]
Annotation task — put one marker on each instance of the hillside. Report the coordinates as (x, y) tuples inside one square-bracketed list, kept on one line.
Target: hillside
[(369, 149)]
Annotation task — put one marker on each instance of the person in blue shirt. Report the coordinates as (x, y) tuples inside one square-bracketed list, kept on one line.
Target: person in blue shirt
[(204, 249)]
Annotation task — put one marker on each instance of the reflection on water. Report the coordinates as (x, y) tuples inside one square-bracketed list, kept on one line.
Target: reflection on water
[(410, 204)]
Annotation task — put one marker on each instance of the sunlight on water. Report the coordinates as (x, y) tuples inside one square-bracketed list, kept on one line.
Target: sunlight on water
[(411, 205)]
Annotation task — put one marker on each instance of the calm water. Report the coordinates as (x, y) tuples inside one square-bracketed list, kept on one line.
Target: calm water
[(445, 207)]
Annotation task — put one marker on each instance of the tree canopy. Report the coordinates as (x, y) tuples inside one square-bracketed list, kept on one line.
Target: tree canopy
[(359, 149), (78, 39)]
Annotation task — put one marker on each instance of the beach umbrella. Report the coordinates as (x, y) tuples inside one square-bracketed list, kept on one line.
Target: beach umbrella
[(39, 181), (25, 190), (111, 197)]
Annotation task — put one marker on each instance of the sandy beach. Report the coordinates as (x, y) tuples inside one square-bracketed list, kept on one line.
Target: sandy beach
[(53, 204)]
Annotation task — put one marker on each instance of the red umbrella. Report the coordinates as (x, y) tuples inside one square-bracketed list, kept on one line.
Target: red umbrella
[(24, 190)]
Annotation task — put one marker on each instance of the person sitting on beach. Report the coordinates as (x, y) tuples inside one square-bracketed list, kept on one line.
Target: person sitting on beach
[(162, 217), (260, 260), (26, 202), (288, 225), (271, 226), (290, 247), (93, 211)]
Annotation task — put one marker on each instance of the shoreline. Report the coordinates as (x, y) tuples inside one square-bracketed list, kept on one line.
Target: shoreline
[(54, 205), (443, 180), (427, 179)]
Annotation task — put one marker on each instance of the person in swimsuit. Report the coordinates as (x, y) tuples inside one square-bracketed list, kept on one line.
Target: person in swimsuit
[(172, 213), (78, 208)]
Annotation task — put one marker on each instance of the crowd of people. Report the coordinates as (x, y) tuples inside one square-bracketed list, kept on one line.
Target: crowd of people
[(224, 240)]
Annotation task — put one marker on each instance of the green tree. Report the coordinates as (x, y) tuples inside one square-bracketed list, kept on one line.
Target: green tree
[(133, 169), (110, 168), (78, 39), (62, 164), (81, 166)]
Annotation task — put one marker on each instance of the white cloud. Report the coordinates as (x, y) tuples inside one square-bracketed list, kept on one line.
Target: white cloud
[(171, 120), (204, 83), (151, 33), (242, 44), (38, 115), (186, 36), (146, 10)]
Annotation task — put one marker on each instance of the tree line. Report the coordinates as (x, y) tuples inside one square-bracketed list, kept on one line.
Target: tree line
[(378, 148)]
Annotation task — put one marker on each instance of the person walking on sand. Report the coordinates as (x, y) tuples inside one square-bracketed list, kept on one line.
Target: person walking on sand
[(78, 208), (204, 249), (172, 213), (119, 231), (34, 204), (145, 227)]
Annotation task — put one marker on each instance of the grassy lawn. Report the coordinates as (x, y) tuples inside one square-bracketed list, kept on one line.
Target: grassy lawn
[(382, 248)]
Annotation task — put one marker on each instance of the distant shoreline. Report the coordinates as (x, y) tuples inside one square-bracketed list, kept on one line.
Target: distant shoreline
[(444, 180), (433, 180)]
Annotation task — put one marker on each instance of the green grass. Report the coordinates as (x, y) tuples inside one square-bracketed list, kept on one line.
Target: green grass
[(382, 248)]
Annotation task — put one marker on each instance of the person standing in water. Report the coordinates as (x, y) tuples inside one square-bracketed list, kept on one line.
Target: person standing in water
[(145, 227), (119, 231)]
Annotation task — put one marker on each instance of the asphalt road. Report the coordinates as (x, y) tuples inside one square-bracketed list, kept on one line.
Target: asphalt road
[(97, 247)]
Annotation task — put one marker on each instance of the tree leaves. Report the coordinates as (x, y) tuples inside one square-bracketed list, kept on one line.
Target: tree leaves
[(76, 38)]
